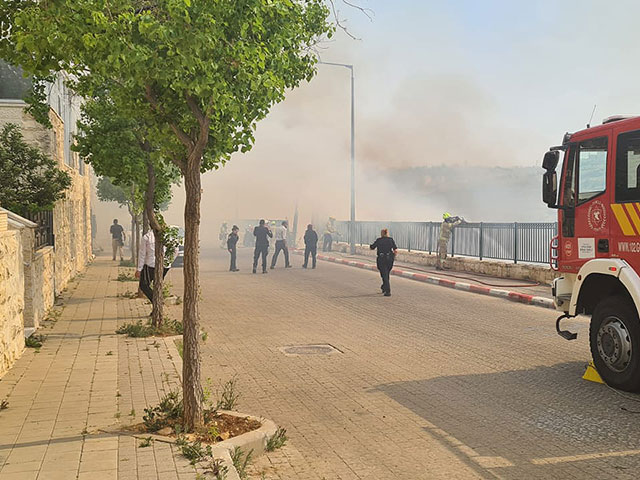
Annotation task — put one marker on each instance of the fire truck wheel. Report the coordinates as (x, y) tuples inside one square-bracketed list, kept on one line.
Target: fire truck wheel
[(614, 337)]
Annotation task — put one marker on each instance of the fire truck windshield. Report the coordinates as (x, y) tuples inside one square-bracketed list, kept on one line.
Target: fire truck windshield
[(592, 165)]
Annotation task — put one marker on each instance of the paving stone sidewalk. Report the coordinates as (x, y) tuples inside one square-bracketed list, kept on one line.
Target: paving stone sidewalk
[(86, 380)]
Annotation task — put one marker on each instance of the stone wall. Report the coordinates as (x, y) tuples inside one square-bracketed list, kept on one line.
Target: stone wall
[(71, 215), (520, 271), (39, 287), (11, 298)]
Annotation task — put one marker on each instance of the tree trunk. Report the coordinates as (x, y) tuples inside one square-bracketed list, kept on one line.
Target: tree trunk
[(158, 279), (132, 238), (145, 222), (137, 241), (191, 386)]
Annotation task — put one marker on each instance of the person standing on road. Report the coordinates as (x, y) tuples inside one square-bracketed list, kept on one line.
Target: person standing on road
[(262, 234), (147, 264), (117, 238), (448, 224), (386, 254), (281, 244), (327, 237), (231, 246), (310, 246)]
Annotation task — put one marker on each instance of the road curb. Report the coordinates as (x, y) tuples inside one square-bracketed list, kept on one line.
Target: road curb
[(444, 282)]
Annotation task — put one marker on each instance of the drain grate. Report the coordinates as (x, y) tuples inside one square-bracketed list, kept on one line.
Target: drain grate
[(310, 349)]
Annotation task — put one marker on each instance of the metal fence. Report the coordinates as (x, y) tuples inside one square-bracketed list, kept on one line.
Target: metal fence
[(44, 232), (518, 242)]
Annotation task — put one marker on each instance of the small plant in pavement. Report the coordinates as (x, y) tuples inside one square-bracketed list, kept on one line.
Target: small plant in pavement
[(194, 451), (138, 329), (146, 442), (217, 468), (34, 341), (240, 461), (167, 413), (229, 397), (126, 277), (277, 440)]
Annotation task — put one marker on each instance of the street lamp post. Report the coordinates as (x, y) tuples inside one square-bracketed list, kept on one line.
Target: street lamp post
[(352, 223)]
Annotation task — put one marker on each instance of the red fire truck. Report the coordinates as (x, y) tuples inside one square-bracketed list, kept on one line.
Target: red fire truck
[(597, 249)]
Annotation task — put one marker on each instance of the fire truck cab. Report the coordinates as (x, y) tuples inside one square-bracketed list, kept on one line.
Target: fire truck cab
[(597, 249)]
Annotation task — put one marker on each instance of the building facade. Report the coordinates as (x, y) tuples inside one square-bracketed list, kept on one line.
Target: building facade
[(57, 246)]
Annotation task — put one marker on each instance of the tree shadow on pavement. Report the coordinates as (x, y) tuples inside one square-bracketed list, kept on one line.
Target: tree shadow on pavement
[(544, 422)]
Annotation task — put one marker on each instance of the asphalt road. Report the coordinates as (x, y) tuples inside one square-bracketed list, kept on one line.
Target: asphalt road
[(428, 383)]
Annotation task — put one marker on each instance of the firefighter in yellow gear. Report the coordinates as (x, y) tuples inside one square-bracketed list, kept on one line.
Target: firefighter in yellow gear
[(448, 224)]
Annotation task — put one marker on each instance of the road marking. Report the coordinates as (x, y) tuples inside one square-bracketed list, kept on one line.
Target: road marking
[(586, 456)]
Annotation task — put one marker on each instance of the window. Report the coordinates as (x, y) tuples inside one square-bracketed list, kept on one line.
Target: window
[(592, 168), (628, 167), (569, 193), (13, 84)]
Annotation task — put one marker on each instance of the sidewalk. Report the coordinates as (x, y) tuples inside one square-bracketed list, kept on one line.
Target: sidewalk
[(86, 379), (521, 291)]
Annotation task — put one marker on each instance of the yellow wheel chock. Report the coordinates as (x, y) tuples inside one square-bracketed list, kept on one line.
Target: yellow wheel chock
[(592, 374)]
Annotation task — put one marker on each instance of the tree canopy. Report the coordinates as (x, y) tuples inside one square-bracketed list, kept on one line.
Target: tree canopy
[(30, 181), (200, 73)]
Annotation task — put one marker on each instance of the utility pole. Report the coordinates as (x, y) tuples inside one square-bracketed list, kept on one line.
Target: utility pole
[(352, 222)]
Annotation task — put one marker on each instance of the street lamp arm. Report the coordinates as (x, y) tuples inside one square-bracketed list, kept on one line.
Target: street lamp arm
[(346, 65)]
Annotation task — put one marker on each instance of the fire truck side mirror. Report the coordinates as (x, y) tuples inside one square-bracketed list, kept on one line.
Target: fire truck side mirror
[(550, 161), (550, 188)]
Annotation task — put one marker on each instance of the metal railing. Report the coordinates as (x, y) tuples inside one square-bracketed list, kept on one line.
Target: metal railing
[(44, 232), (517, 242)]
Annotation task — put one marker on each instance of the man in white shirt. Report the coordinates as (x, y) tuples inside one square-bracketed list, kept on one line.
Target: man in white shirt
[(147, 264), (281, 244)]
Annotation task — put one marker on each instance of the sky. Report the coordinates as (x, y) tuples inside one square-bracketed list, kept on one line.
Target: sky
[(460, 97)]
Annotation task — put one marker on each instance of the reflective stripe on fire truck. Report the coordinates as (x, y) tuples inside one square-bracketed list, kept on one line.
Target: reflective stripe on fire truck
[(623, 220), (634, 215)]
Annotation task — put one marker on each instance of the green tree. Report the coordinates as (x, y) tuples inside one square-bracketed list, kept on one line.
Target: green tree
[(204, 71), (30, 181), (127, 196), (120, 148)]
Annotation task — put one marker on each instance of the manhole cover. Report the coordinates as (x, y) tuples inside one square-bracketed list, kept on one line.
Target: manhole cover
[(313, 349)]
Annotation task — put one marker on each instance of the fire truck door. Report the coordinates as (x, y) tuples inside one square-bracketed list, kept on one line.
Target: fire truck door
[(584, 217)]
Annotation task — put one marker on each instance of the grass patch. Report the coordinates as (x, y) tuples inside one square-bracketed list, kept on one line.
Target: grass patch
[(146, 442), (217, 468), (194, 451), (127, 263), (167, 413), (240, 461), (229, 397), (139, 330), (34, 341), (277, 440), (126, 277)]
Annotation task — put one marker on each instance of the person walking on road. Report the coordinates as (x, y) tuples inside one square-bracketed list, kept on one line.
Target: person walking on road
[(281, 244), (310, 246), (386, 254), (147, 264), (448, 224), (232, 241), (117, 238), (262, 234)]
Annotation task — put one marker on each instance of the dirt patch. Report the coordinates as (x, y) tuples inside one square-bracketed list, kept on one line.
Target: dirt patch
[(218, 427)]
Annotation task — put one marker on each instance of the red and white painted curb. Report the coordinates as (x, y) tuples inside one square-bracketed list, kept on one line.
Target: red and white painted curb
[(444, 282)]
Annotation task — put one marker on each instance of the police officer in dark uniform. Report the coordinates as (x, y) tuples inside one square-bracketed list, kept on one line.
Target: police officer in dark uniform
[(232, 241), (386, 254), (262, 234)]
